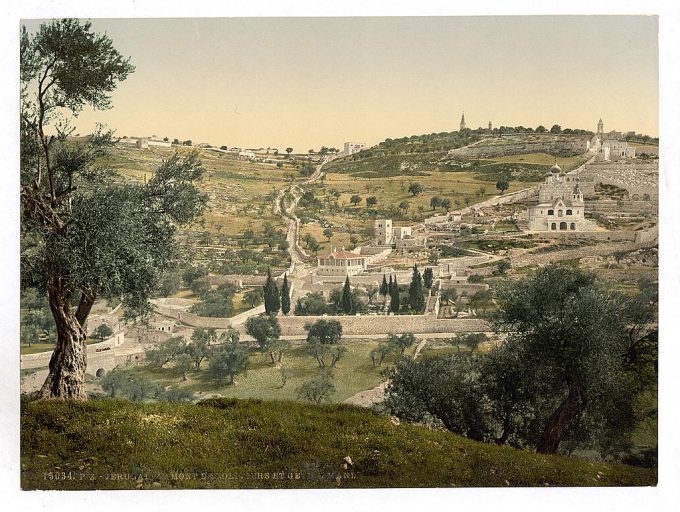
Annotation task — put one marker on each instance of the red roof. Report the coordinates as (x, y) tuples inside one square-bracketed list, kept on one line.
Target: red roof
[(343, 255)]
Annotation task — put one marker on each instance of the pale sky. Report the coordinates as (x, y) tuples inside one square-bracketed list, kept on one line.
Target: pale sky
[(307, 82)]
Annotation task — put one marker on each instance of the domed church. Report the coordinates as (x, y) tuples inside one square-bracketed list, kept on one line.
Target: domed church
[(560, 205)]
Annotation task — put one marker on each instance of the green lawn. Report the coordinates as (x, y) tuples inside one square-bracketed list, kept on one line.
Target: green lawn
[(353, 373), (115, 444)]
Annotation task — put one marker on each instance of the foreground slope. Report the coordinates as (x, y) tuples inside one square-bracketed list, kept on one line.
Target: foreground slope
[(223, 443)]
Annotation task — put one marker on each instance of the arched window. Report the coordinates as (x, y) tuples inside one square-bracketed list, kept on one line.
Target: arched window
[(563, 226), (573, 226), (568, 212), (559, 213), (553, 226), (551, 212)]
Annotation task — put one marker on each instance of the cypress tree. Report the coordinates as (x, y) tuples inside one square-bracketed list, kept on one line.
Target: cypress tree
[(390, 287), (428, 277), (384, 287), (285, 295), (272, 303), (394, 295), (346, 300), (415, 292)]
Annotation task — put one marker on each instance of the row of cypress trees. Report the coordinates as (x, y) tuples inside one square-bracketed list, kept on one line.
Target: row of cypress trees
[(275, 300), (415, 290)]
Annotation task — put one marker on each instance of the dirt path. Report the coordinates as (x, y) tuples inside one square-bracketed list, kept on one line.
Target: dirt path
[(377, 394)]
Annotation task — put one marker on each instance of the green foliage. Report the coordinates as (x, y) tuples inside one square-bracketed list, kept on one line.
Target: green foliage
[(384, 287), (471, 340), (215, 303), (475, 278), (435, 202), (562, 379), (264, 328), (312, 304), (272, 299), (227, 360), (402, 342), (201, 339), (254, 296), (428, 277), (326, 355), (121, 384), (285, 295), (102, 332), (415, 292), (395, 299), (170, 283), (371, 201), (356, 300), (318, 389), (502, 185), (162, 354), (415, 188), (183, 363), (346, 300), (326, 332), (228, 436)]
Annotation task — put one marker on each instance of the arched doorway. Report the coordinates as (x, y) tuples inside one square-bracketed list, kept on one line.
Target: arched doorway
[(573, 226), (553, 226), (101, 373), (563, 226)]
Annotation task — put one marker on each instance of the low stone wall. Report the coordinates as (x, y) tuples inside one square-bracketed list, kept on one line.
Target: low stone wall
[(467, 289), (609, 236), (373, 325), (43, 358)]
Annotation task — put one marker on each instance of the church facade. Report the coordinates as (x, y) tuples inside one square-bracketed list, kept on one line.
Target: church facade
[(560, 205)]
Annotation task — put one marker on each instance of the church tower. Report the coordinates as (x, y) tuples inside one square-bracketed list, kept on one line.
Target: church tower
[(600, 128), (490, 130), (462, 122)]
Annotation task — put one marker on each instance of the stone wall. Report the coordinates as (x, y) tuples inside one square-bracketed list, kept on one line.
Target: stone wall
[(43, 358), (374, 325)]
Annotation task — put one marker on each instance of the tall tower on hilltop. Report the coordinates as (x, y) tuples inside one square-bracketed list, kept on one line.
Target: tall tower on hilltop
[(490, 130), (462, 122), (600, 128)]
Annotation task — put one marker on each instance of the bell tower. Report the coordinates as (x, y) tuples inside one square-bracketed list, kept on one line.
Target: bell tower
[(462, 122)]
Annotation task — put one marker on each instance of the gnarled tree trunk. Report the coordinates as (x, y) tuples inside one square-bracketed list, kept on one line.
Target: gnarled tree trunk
[(66, 378), (559, 420)]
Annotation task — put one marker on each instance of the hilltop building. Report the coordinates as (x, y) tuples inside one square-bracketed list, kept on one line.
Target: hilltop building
[(560, 205), (607, 146), (353, 147), (399, 236), (462, 122), (341, 263)]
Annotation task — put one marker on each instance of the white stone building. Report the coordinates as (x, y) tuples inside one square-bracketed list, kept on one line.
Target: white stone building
[(607, 147), (560, 205), (341, 263), (383, 232), (353, 147)]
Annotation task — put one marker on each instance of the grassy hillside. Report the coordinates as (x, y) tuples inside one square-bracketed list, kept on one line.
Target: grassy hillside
[(254, 444)]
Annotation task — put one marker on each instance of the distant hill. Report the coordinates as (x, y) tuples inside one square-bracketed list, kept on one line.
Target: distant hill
[(221, 443)]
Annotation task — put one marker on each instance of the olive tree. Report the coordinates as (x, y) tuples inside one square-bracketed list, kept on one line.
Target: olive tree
[(85, 233)]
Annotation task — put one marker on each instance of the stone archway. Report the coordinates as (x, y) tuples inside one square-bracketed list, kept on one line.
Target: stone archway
[(101, 373)]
